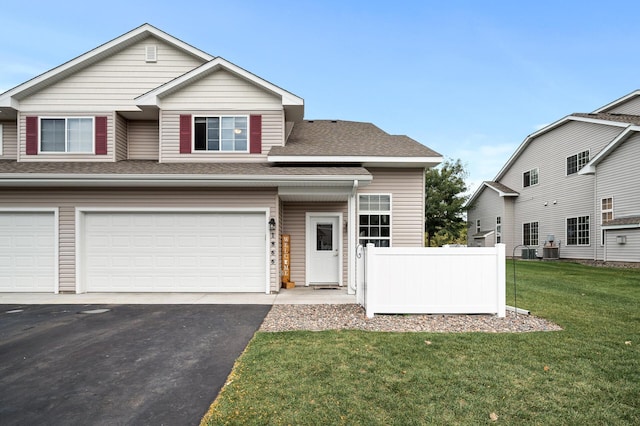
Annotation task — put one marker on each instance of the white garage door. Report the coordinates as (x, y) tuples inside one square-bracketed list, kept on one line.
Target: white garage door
[(27, 252), (174, 252)]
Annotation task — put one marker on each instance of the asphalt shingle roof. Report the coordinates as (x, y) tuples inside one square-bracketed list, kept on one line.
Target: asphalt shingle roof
[(143, 167), (619, 118), (629, 220), (348, 138), (500, 187)]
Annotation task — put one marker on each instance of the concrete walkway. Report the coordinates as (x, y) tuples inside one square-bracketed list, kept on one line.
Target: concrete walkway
[(294, 296)]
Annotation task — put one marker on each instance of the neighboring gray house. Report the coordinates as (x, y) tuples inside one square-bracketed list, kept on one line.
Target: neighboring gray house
[(574, 182), (148, 165)]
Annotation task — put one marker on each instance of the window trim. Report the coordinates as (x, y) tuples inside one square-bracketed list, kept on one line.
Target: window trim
[(537, 240), (66, 142), (1, 140), (498, 229), (369, 212), (578, 168), (566, 230), (530, 171), (219, 151)]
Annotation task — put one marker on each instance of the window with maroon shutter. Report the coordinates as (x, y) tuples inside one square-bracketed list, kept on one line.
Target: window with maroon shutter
[(101, 135), (32, 135), (185, 134), (255, 137)]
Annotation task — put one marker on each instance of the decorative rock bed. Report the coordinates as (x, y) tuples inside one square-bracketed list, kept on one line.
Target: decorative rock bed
[(352, 317)]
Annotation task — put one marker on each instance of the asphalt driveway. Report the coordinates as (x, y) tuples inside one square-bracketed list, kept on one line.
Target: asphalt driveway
[(134, 364)]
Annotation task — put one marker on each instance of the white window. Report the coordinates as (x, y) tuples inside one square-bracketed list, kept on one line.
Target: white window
[(578, 231), (66, 134), (606, 208), (576, 162), (221, 134), (498, 230), (530, 178), (530, 234), (374, 211)]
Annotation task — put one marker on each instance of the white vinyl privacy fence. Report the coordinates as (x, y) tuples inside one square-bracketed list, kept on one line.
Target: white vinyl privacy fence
[(428, 280)]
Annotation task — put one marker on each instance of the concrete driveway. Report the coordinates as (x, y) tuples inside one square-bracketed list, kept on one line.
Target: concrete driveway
[(133, 364)]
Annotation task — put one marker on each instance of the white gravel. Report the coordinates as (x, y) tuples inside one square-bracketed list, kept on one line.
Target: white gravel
[(352, 317)]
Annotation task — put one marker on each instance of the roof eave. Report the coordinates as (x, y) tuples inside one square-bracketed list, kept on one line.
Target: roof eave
[(124, 180), (366, 161)]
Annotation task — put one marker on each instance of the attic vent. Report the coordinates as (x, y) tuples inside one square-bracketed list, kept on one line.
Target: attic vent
[(334, 121), (151, 53)]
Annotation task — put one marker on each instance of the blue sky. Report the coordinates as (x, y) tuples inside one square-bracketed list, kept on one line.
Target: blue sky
[(469, 79)]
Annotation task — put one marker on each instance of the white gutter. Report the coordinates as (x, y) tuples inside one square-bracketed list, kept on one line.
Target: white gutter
[(40, 179)]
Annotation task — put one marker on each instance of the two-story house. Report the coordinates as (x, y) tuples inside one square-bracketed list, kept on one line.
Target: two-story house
[(572, 186), (148, 165)]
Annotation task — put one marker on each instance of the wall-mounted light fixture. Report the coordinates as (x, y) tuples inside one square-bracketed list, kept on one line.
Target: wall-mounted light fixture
[(272, 224)]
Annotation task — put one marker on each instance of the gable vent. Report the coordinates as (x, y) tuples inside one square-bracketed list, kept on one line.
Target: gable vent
[(151, 53)]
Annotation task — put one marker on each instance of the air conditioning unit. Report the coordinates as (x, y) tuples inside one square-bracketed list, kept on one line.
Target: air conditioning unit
[(529, 253)]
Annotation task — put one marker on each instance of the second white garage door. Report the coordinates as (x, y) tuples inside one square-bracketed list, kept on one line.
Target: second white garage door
[(174, 252)]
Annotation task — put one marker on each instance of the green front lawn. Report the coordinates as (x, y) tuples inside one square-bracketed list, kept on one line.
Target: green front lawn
[(587, 374)]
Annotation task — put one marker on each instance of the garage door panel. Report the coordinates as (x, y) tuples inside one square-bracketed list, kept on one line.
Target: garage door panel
[(27, 251), (174, 252)]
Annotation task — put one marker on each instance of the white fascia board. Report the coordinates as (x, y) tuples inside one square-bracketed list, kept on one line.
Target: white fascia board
[(139, 32), (546, 129), (370, 160), (177, 180), (617, 102), (152, 97), (590, 167), (628, 226)]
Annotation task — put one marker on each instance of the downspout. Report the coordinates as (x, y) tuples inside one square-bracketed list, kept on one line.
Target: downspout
[(351, 244), (595, 214)]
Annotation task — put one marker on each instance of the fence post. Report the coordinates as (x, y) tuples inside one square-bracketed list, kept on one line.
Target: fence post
[(370, 285), (501, 279)]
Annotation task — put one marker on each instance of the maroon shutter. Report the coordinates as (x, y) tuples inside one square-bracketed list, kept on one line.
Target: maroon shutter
[(185, 134), (101, 136), (255, 136), (32, 135)]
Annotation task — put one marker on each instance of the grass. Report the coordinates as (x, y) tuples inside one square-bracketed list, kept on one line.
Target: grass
[(589, 373)]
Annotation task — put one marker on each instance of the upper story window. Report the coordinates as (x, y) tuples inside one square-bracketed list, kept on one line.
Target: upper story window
[(530, 178), (0, 139), (576, 162), (374, 219), (578, 231), (498, 229), (530, 234), (67, 135), (220, 134), (606, 209)]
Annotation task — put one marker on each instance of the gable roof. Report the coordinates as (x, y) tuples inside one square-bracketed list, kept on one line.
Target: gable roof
[(502, 190), (337, 141), (9, 98), (618, 102), (590, 167), (293, 104)]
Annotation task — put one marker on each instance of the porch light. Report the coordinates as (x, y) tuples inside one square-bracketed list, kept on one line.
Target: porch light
[(272, 224)]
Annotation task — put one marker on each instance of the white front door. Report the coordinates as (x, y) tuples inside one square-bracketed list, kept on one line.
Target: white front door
[(324, 248)]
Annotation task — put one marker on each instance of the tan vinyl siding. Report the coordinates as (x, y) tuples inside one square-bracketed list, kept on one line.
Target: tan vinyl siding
[(272, 134), (113, 83), (67, 200), (618, 178), (632, 107), (64, 156), (121, 137), (224, 90), (67, 248), (565, 196), (143, 140), (9, 140), (406, 187), (294, 224)]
